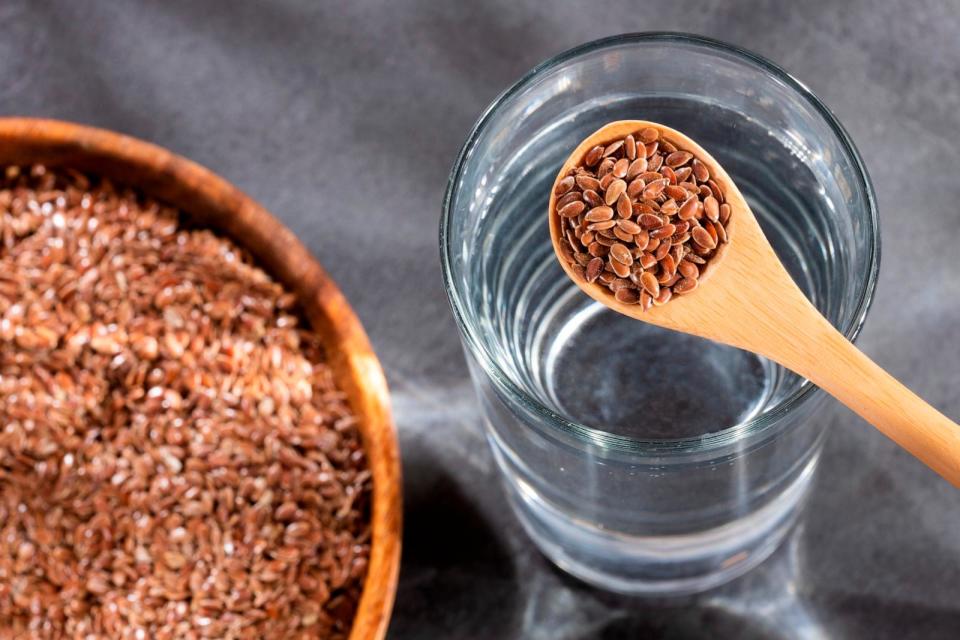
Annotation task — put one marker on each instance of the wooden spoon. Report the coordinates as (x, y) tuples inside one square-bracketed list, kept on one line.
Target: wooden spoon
[(748, 300)]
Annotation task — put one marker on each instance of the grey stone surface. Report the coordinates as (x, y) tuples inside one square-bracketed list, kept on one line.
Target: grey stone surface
[(344, 118)]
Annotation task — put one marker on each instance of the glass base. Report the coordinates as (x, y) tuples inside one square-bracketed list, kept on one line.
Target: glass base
[(662, 565)]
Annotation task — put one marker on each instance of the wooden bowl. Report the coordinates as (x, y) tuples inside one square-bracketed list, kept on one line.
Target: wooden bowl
[(213, 202)]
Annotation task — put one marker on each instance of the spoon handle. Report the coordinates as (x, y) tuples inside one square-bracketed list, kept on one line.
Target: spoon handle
[(824, 356)]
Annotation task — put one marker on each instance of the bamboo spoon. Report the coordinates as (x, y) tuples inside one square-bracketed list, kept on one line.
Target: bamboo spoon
[(748, 300)]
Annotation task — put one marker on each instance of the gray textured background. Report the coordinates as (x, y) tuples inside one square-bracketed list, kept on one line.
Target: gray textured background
[(344, 118)]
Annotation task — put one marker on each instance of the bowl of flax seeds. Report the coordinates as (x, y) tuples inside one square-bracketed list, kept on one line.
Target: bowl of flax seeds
[(195, 437)]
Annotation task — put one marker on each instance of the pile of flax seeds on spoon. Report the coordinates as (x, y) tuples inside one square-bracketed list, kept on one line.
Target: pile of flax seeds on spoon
[(641, 217)]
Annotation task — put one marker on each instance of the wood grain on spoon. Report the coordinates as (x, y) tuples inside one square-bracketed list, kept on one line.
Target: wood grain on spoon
[(748, 300)]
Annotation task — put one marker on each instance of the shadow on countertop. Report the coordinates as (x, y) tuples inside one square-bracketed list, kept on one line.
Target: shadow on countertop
[(456, 578), (771, 603)]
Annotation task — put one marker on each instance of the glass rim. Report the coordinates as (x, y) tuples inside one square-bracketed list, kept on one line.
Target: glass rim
[(749, 428)]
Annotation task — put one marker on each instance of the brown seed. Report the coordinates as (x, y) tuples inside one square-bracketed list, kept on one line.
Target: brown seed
[(604, 237), (106, 345), (564, 185), (621, 254), (624, 206), (620, 167), (566, 251), (688, 209), (683, 173), (711, 209), (586, 238), (649, 134), (676, 193), (635, 187), (649, 283), (641, 239), (664, 297), (636, 168), (655, 162), (701, 251), (654, 189), (578, 271), (593, 156), (622, 235), (669, 174), (700, 171), (717, 191), (597, 250), (572, 210), (721, 232), (724, 213), (685, 285), (646, 300), (613, 147), (662, 250), (650, 221), (679, 158), (599, 214), (654, 244), (669, 207), (679, 238), (628, 226), (681, 227), (694, 258), (630, 147), (663, 231), (603, 225), (619, 268), (606, 166), (586, 182), (592, 198), (594, 267), (647, 260), (703, 238), (571, 196), (650, 149), (667, 147), (712, 230), (688, 270), (606, 180), (627, 295), (616, 188), (582, 259), (668, 264), (607, 277), (705, 192)]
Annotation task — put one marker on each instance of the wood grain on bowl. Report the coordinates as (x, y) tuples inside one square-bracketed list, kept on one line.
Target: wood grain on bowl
[(208, 200)]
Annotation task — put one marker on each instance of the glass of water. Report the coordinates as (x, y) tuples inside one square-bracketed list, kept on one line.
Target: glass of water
[(638, 459)]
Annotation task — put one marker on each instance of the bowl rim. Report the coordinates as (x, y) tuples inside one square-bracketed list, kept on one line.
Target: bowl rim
[(173, 178), (762, 425)]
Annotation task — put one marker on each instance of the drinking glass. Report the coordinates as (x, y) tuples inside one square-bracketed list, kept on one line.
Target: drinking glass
[(638, 459)]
